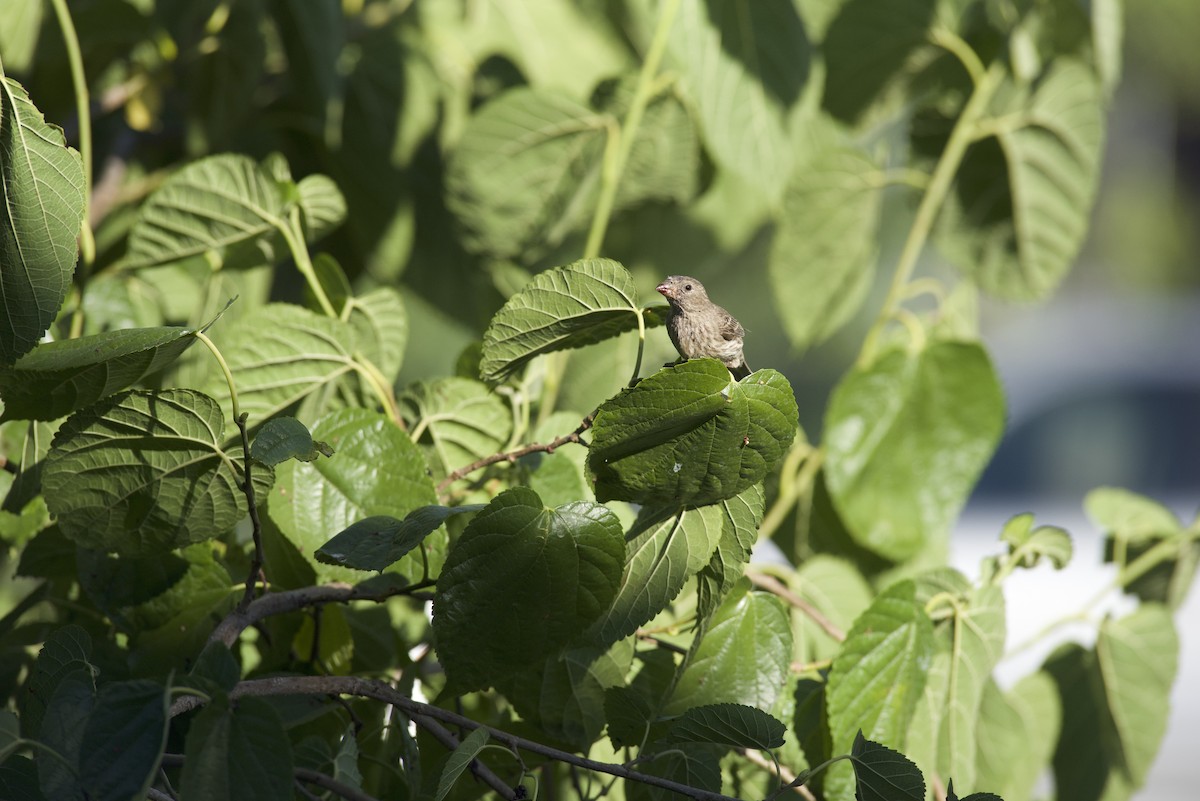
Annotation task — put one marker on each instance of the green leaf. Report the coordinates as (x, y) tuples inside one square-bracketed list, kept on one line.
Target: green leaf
[(333, 282), (284, 438), (665, 548), (526, 170), (973, 639), (742, 658), (1138, 657), (1016, 735), (567, 696), (124, 740), (867, 47), (458, 420), (375, 470), (19, 781), (884, 774), (690, 764), (878, 677), (345, 764), (58, 378), (226, 205), (62, 730), (744, 64), (41, 181), (381, 323), (281, 355), (113, 582), (568, 307), (1029, 545), (952, 796), (1129, 516), (19, 34), (379, 541), (1083, 759), (730, 725), (561, 567), (837, 590), (739, 531), (1023, 198), (10, 733), (823, 254), (144, 472), (691, 435), (628, 716), (906, 438), (321, 205), (65, 654), (460, 760), (239, 752)]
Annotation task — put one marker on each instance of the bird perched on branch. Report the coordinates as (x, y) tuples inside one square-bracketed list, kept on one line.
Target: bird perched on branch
[(698, 327)]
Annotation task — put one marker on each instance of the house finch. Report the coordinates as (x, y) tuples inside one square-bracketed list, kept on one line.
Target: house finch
[(699, 327)]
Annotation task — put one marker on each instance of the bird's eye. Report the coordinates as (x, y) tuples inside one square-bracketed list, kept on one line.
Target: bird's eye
[(687, 287)]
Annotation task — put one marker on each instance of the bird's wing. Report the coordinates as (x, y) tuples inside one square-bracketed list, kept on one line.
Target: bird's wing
[(731, 329)]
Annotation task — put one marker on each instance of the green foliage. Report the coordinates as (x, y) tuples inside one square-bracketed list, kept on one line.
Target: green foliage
[(440, 221)]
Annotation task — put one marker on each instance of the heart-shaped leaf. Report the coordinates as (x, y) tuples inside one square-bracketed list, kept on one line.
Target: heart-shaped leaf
[(1023, 198), (379, 541), (144, 472), (225, 204), (559, 567), (906, 438), (690, 435)]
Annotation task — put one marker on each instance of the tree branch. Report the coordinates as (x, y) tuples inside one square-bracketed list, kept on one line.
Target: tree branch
[(278, 603), (512, 456), (370, 688), (329, 783), (774, 585), (480, 770)]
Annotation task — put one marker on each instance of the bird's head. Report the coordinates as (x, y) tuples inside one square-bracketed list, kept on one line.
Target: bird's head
[(682, 291)]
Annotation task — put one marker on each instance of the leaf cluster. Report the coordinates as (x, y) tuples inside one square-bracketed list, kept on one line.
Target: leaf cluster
[(306, 557)]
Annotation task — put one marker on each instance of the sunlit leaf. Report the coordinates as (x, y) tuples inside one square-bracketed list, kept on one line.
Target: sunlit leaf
[(567, 307), (41, 183), (906, 438), (691, 435), (144, 472)]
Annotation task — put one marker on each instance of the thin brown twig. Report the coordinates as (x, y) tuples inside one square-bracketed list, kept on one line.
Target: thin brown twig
[(278, 603), (256, 562), (513, 455), (777, 587), (371, 688), (779, 771)]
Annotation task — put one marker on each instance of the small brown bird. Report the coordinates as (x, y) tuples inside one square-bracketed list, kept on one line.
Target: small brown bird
[(699, 327)]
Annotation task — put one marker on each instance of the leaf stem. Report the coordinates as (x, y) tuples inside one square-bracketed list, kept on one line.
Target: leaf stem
[(795, 476), (620, 142), (233, 396), (641, 347), (256, 561), (1159, 553), (293, 235), (933, 199), (87, 241), (379, 385)]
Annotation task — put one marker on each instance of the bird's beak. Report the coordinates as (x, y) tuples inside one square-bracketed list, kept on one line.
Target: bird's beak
[(664, 289)]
